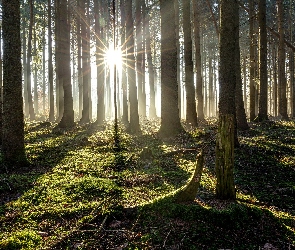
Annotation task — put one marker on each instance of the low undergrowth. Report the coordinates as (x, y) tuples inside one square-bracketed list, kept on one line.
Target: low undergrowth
[(80, 193)]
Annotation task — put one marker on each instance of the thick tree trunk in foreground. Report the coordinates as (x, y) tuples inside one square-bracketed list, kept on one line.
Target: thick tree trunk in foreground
[(224, 163), (227, 137), (13, 148)]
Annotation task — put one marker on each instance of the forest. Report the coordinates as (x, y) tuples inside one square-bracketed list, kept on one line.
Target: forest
[(147, 124)]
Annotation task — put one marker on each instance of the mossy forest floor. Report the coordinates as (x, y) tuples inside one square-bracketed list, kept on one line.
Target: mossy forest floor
[(81, 194)]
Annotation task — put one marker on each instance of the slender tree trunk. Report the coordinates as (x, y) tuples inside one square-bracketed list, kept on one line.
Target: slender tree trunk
[(199, 88), (124, 63), (275, 79), (262, 61), (50, 66), (140, 58), (44, 70), (281, 64), (191, 113), (85, 64), (240, 110), (36, 99), (252, 60), (24, 52), (152, 110), (29, 59), (99, 63), (134, 116)]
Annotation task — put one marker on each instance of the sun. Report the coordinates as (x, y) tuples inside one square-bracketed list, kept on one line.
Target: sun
[(113, 57)]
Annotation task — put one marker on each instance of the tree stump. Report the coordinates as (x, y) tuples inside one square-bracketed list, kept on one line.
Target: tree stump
[(189, 191), (224, 163)]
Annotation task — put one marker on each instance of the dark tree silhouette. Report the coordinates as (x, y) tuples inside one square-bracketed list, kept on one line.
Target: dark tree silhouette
[(13, 148)]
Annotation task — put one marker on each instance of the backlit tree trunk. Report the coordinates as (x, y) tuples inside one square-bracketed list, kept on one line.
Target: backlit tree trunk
[(64, 70), (29, 59), (134, 116), (191, 113), (199, 88), (170, 121), (99, 63), (50, 66), (85, 64)]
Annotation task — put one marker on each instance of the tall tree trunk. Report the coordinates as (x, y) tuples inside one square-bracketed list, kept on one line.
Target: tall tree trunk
[(1, 88), (170, 120), (139, 58), (240, 110), (44, 68), (191, 113), (281, 64), (252, 60), (36, 99), (59, 86), (152, 110), (29, 59), (24, 52), (124, 62), (229, 23), (85, 64), (13, 147), (50, 66), (199, 88), (64, 71), (99, 63), (262, 115), (134, 116)]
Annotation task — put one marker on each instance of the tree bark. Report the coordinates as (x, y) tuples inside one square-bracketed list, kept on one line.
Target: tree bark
[(29, 59), (50, 66), (191, 113), (99, 63), (199, 88), (281, 64), (13, 147), (134, 116), (64, 71), (85, 63), (252, 60), (224, 164), (170, 120), (262, 115)]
